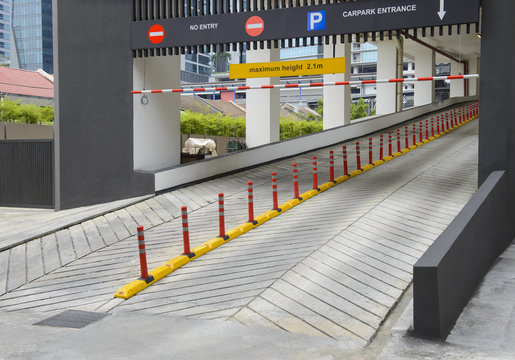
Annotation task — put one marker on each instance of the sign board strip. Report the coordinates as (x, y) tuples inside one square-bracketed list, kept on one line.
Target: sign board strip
[(304, 21)]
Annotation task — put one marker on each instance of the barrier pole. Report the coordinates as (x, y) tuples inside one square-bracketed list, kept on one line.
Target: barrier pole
[(185, 231), (142, 253), (381, 157), (406, 136), (432, 128), (390, 144), (414, 134), (421, 131), (274, 191), (370, 155), (358, 156), (221, 215), (427, 129), (345, 167), (315, 173), (398, 140), (296, 194), (331, 166), (251, 201)]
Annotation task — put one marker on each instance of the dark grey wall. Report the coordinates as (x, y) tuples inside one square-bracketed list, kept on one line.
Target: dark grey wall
[(94, 116), (449, 272), (446, 276), (496, 128), (26, 174)]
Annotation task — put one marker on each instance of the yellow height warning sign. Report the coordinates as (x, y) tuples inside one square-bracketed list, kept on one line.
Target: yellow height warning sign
[(287, 68)]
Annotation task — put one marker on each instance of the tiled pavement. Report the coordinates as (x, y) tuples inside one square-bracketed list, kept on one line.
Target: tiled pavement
[(333, 266)]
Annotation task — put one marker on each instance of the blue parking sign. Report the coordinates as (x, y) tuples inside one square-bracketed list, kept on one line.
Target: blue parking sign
[(316, 20)]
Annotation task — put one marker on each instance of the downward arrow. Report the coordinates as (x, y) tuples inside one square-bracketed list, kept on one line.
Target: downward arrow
[(442, 12)]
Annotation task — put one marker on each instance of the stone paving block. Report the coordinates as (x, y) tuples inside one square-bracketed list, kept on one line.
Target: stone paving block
[(282, 318), (194, 196), (401, 243), (341, 278), (80, 242), (392, 248), (362, 228), (182, 200), (34, 260), (373, 258), (51, 260), (173, 210), (17, 274), (128, 221), (389, 256), (340, 290), (138, 216), (95, 240), (217, 315), (320, 322), (249, 317), (379, 228), (65, 247), (159, 209), (149, 214), (308, 292), (117, 225), (4, 267), (344, 268), (105, 230), (364, 264)]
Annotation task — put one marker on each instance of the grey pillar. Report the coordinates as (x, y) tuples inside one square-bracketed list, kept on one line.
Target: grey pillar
[(496, 125), (94, 114)]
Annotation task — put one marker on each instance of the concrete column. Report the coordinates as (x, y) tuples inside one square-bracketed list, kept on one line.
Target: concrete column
[(457, 86), (473, 84), (157, 125), (386, 69), (424, 67), (262, 105), (337, 98)]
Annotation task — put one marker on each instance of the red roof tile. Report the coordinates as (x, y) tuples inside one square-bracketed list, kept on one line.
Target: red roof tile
[(24, 82)]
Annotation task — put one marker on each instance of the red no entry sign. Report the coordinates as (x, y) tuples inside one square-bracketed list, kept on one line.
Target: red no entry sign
[(254, 26), (156, 34)]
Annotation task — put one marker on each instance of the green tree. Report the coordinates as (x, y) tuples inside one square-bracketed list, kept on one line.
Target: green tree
[(46, 114), (320, 107), (9, 111), (29, 114)]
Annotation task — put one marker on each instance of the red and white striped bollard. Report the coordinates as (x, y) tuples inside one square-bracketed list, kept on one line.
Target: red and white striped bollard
[(358, 156), (186, 232), (345, 167), (143, 256)]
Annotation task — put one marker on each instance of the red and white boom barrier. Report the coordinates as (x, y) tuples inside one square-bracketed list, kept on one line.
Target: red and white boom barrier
[(304, 85)]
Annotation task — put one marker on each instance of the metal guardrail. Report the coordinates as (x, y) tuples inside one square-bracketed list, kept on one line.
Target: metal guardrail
[(26, 173)]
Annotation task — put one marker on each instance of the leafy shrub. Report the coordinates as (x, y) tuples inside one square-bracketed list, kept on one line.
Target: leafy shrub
[(11, 111), (219, 125)]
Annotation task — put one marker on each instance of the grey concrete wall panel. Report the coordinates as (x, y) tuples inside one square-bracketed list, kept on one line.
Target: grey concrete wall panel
[(94, 113), (446, 276)]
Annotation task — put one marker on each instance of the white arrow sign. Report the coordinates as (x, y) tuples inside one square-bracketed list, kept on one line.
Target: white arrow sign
[(442, 12)]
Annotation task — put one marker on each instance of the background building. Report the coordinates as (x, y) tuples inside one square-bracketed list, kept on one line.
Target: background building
[(31, 36), (5, 31)]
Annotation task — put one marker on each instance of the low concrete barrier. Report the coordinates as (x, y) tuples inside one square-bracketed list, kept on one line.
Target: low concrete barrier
[(446, 276), (179, 175), (17, 131)]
